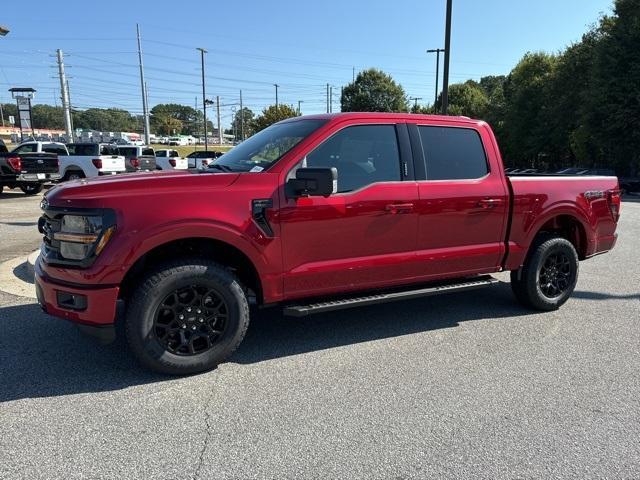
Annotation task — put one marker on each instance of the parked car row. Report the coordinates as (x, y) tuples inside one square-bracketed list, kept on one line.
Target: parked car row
[(33, 163)]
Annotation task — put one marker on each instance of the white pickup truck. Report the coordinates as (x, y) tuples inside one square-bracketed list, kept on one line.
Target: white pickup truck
[(91, 160), (170, 160)]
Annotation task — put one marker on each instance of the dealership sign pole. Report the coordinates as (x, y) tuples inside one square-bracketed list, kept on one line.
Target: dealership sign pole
[(23, 98)]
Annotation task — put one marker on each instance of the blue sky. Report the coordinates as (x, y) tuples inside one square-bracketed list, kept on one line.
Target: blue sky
[(300, 45)]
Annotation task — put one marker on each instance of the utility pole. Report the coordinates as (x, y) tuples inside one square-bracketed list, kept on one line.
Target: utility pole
[(330, 99), (241, 118), (218, 113), (299, 102), (327, 98), (204, 99), (145, 107), (276, 85), (437, 52), (447, 57), (146, 97), (353, 74), (415, 105), (66, 108), (1, 113), (70, 111)]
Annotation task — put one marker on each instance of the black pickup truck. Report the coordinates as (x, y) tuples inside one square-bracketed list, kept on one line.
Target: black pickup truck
[(27, 171)]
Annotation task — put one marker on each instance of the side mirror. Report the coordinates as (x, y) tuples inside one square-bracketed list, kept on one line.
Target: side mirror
[(313, 182)]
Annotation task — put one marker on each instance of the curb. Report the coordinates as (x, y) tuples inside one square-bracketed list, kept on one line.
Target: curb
[(16, 276), (31, 262)]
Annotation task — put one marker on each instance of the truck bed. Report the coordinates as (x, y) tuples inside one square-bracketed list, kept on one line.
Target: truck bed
[(536, 198)]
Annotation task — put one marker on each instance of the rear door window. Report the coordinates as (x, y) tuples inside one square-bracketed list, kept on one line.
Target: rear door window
[(81, 150), (28, 148), (453, 153), (57, 149), (127, 151)]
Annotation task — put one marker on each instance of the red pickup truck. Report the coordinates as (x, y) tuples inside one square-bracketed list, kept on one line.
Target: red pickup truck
[(313, 214)]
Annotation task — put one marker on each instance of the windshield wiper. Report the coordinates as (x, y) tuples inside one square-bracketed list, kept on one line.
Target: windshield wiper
[(219, 166)]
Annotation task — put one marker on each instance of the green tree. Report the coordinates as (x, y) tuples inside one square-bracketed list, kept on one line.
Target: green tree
[(106, 119), (243, 120), (166, 125), (467, 99), (610, 108), (373, 91), (527, 102), (191, 120), (47, 116), (271, 115)]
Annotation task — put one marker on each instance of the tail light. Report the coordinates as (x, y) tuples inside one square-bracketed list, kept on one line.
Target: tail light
[(135, 163), (172, 161), (614, 200), (15, 163), (97, 162)]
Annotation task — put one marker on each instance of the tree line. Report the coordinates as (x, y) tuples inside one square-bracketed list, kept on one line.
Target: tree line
[(578, 107)]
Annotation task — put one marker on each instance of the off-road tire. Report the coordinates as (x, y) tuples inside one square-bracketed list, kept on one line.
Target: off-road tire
[(144, 304), (526, 282)]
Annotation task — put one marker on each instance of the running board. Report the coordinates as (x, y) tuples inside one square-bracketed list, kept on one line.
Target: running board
[(467, 284)]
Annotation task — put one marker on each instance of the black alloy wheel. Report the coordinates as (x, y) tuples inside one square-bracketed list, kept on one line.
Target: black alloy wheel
[(190, 320), (555, 275)]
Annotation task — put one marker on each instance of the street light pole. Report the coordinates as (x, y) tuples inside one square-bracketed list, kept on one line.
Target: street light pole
[(300, 111), (437, 52), (276, 85), (204, 99), (447, 57)]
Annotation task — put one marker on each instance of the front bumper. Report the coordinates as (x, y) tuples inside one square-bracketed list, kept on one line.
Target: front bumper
[(95, 310), (38, 177)]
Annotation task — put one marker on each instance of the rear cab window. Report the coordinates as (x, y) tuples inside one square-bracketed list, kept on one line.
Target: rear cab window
[(148, 151), (452, 153)]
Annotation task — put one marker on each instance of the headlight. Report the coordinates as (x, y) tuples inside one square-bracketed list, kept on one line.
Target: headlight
[(79, 234)]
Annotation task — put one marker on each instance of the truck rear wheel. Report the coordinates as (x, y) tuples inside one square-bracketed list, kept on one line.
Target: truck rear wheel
[(31, 188), (549, 274), (74, 175), (186, 317)]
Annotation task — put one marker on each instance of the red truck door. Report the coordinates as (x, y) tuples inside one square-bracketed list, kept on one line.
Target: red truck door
[(364, 235), (463, 204)]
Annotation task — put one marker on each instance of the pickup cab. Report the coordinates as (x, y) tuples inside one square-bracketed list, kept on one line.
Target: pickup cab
[(29, 166), (87, 160), (312, 214), (170, 160), (138, 158), (202, 158)]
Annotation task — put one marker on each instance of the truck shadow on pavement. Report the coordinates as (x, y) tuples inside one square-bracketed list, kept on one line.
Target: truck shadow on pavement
[(42, 357)]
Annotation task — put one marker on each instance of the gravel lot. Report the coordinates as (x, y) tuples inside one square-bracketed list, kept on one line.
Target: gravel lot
[(460, 386)]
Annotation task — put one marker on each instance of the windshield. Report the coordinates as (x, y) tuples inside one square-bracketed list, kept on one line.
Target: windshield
[(266, 147)]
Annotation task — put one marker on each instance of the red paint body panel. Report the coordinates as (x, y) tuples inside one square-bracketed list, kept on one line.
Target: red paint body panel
[(320, 246)]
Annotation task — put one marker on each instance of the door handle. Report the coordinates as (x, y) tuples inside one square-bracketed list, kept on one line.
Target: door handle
[(399, 207), (489, 202)]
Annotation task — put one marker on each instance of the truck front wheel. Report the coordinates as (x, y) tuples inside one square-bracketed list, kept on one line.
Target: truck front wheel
[(186, 317), (548, 276)]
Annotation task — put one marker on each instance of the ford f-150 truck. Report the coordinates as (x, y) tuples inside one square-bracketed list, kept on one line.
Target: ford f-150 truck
[(313, 214), (27, 168)]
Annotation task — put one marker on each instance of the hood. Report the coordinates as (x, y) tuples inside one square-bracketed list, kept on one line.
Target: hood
[(97, 192)]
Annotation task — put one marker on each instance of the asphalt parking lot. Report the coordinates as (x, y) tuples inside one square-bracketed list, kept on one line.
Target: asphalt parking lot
[(460, 386)]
